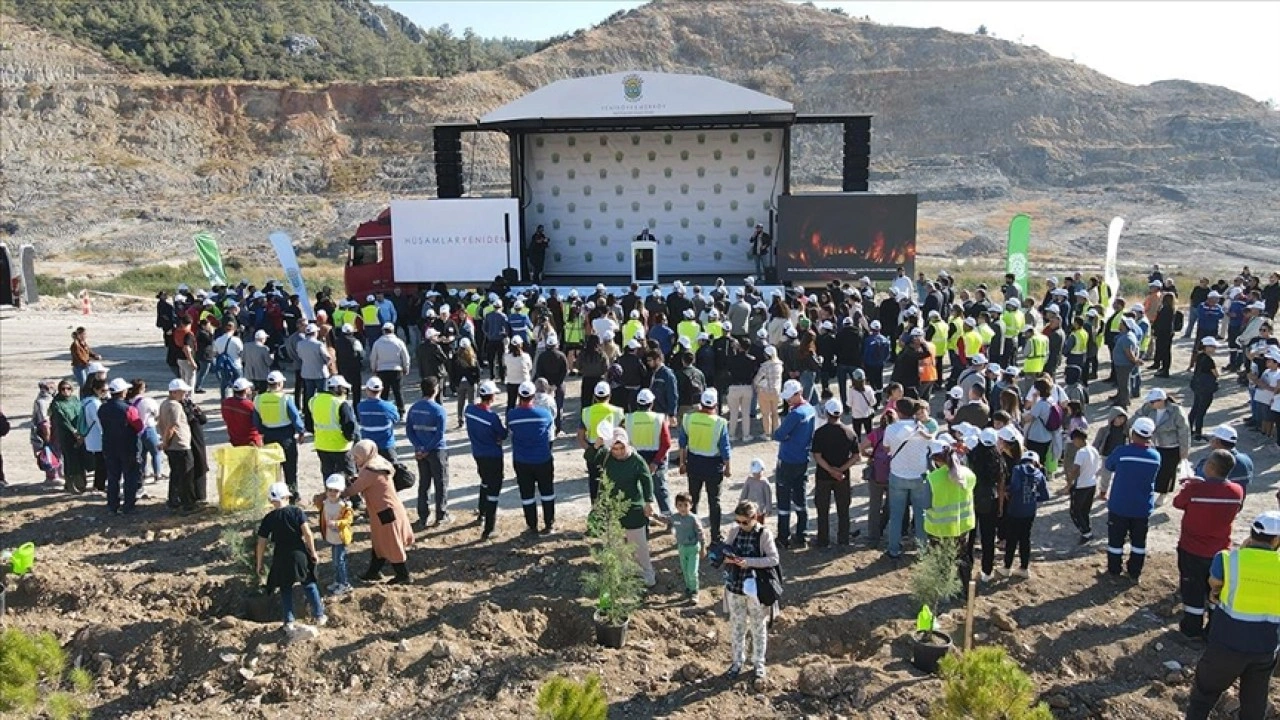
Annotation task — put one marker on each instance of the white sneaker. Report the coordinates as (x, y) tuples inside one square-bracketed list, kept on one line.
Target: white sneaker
[(1002, 571), (322, 621), (1021, 573), (289, 627), (987, 577)]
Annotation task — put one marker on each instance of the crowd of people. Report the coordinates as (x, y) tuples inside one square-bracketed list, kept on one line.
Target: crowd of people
[(963, 408)]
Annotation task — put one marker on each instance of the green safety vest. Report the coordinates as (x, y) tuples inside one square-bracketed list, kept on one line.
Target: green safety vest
[(272, 409), (703, 431), (714, 330), (939, 333), (324, 415), (598, 413), (689, 329), (1037, 354), (1081, 341), (950, 512), (957, 329), (1250, 585), (630, 328), (369, 313), (1013, 321), (972, 343), (573, 332), (986, 332), (645, 429)]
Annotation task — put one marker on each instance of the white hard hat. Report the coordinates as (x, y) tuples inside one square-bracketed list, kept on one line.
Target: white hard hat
[(279, 491), (336, 481)]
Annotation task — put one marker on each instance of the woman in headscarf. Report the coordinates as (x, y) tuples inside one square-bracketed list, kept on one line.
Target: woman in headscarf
[(629, 474), (64, 414), (43, 443), (389, 526)]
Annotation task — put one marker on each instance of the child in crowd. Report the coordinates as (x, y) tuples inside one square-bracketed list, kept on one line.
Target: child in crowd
[(862, 403), (294, 558), (336, 517), (1110, 436), (545, 398), (758, 490), (949, 406), (689, 541), (1075, 420), (1082, 481), (1026, 490)]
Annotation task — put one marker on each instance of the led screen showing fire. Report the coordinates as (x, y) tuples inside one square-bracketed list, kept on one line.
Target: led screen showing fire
[(836, 236)]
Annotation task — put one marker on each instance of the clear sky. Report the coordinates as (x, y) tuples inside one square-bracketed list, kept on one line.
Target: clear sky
[(1235, 44)]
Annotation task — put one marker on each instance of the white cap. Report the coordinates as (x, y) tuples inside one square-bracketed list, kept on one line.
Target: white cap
[(826, 325), (1268, 523), (762, 333), (279, 491), (703, 337), (979, 359), (94, 368), (1214, 295), (1011, 303), (488, 388), (970, 322), (526, 389), (875, 325), (685, 342), (275, 377), (336, 481), (466, 343), (1156, 394), (1144, 427), (710, 398), (645, 396), (987, 437), (790, 388), (726, 326), (177, 385), (1009, 434), (241, 384), (516, 340), (993, 368), (311, 329), (118, 385), (1256, 306), (260, 335), (599, 286), (374, 384), (1031, 455), (368, 298), (635, 314), (757, 466), (633, 344), (688, 314), (1226, 433), (770, 351), (337, 381), (937, 447), (955, 393), (833, 407), (1052, 309), (388, 327), (602, 389), (791, 332)]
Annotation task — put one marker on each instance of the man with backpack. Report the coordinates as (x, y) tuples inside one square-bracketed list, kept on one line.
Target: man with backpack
[(227, 349)]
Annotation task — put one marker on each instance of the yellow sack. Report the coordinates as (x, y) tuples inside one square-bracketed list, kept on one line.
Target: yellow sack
[(245, 473)]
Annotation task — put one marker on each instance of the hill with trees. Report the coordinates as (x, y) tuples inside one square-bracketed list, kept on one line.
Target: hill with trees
[(304, 40)]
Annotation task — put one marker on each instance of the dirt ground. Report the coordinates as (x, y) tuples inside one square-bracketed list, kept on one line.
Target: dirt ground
[(149, 602)]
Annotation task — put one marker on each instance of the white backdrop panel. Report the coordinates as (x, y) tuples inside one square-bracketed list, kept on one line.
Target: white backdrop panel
[(460, 240), (700, 193)]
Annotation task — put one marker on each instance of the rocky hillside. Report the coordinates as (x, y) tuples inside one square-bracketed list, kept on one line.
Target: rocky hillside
[(93, 154)]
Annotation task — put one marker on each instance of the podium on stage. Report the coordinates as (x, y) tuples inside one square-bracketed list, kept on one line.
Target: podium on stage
[(644, 262)]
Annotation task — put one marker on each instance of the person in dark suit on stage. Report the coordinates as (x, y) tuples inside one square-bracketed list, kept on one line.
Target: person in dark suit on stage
[(538, 245)]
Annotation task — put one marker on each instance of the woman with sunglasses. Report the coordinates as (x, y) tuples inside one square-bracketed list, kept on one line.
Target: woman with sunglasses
[(752, 549)]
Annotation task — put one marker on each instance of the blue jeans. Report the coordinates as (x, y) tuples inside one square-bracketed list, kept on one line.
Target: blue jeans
[(311, 592), (901, 492), (151, 446), (122, 467), (1190, 321), (202, 372), (762, 264), (340, 565), (662, 493), (790, 481), (80, 374)]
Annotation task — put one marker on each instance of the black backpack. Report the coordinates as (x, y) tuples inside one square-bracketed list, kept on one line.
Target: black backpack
[(404, 478), (1178, 320)]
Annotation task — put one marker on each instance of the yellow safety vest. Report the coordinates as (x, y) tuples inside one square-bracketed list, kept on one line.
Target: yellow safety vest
[(986, 332), (573, 331), (598, 413), (1081, 339), (473, 310), (630, 328), (1250, 584), (324, 415), (1013, 321), (369, 313), (972, 343), (689, 329), (714, 330), (1037, 354), (950, 512), (703, 431), (1115, 321), (272, 409), (1104, 295), (957, 329), (939, 333), (645, 429)]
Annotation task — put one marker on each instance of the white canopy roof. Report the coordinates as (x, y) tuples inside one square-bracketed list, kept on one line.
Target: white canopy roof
[(638, 94)]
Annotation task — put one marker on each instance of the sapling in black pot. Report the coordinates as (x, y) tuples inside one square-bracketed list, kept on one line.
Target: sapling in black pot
[(615, 582), (934, 580)]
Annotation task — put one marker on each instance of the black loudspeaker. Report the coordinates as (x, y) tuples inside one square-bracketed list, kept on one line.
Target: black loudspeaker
[(857, 155), (447, 144)]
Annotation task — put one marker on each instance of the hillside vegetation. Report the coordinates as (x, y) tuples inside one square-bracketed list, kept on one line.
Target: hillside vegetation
[(307, 40)]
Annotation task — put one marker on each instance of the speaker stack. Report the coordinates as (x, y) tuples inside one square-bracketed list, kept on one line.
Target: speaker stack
[(447, 143), (857, 155)]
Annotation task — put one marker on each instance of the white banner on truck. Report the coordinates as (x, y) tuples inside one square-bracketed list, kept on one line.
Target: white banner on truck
[(462, 240)]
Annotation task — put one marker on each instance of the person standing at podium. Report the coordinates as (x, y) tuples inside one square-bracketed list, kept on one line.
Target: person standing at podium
[(538, 245), (761, 249), (645, 236)]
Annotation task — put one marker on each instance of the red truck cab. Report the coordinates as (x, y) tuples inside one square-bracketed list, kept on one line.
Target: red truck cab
[(370, 267)]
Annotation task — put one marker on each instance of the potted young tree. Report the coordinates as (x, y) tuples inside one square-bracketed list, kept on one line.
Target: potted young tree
[(615, 582), (238, 541), (934, 580)]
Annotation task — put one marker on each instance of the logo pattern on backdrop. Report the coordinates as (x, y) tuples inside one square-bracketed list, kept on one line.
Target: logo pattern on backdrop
[(632, 87), (686, 187)]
